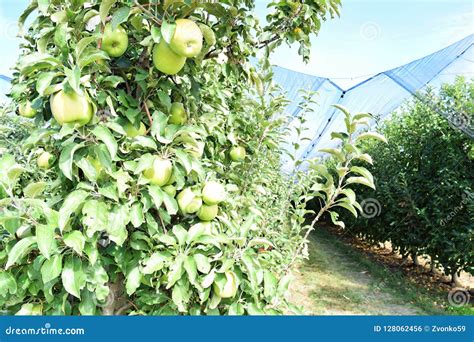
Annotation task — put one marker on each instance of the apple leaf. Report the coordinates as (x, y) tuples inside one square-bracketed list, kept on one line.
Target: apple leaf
[(373, 135), (133, 280), (104, 9), (155, 262), (51, 268), (20, 249), (60, 36), (36, 61), (34, 189), (165, 99), (95, 217), (156, 34), (136, 214), (160, 122), (44, 81), (120, 16), (83, 43), (117, 227), (156, 194), (167, 31), (170, 204), (72, 203), (45, 239), (360, 180), (26, 13), (190, 266), (75, 240), (43, 6), (104, 134), (92, 56), (7, 283), (74, 78), (66, 158), (202, 263), (73, 276), (184, 160)]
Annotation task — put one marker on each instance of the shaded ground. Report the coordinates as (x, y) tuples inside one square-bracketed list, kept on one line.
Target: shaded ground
[(339, 279)]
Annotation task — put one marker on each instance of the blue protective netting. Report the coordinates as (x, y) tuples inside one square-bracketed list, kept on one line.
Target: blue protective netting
[(379, 95)]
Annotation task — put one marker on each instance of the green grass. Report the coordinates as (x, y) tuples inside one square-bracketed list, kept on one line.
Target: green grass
[(339, 279)]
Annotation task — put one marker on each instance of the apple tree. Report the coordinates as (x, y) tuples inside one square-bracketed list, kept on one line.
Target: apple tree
[(150, 183)]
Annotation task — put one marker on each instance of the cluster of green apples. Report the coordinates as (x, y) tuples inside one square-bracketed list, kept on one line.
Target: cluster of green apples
[(69, 107), (187, 42), (203, 203)]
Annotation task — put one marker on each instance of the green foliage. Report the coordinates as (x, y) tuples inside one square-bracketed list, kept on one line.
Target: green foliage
[(91, 235), (13, 129), (331, 187), (425, 181)]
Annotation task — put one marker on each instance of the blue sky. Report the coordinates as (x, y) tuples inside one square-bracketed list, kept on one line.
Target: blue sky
[(371, 36)]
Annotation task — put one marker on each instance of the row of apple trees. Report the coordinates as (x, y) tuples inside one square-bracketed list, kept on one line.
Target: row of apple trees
[(424, 204), (150, 183)]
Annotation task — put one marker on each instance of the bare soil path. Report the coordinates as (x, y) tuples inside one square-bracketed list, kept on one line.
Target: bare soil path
[(340, 280)]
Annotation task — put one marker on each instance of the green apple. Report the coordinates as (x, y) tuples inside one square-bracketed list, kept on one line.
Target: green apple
[(160, 172), (208, 212), (172, 179), (238, 153), (114, 42), (187, 38), (225, 285), (71, 107), (170, 190), (188, 201), (132, 131), (26, 110), (43, 160), (165, 60), (213, 193), (178, 115)]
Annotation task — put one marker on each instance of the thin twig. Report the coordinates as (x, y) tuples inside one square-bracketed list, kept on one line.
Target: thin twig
[(145, 106), (152, 16)]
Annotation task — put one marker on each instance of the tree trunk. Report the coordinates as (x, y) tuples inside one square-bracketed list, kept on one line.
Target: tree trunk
[(116, 303), (433, 266), (455, 282), (416, 262)]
